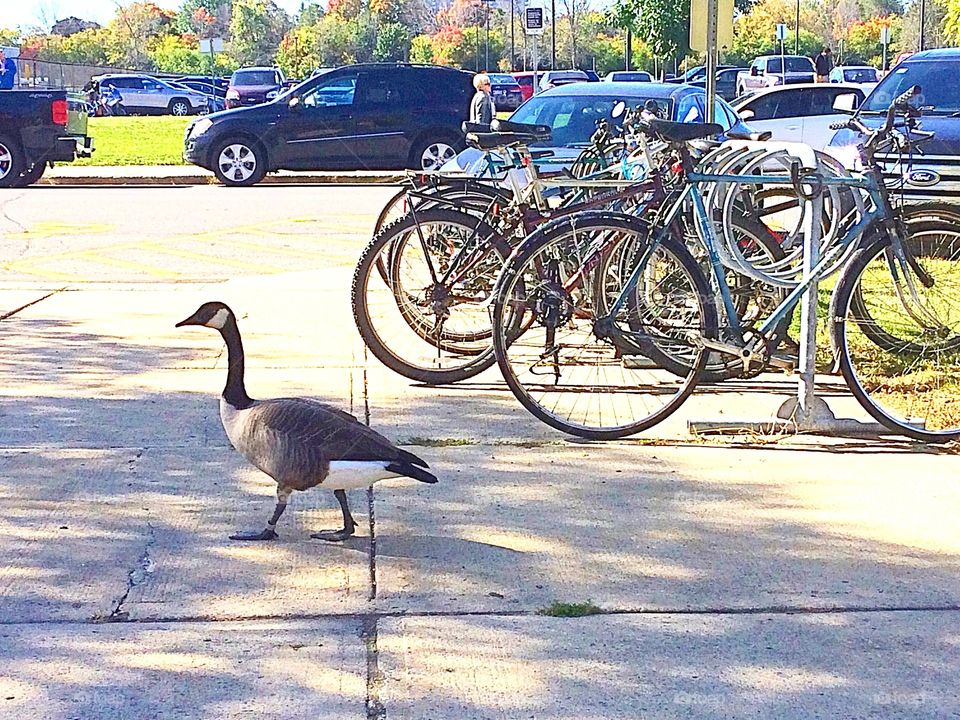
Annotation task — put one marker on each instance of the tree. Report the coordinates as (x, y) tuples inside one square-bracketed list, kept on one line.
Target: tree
[(256, 29), (663, 25), (393, 43), (131, 32), (421, 49)]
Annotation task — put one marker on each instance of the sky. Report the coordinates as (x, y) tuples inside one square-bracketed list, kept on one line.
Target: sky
[(25, 13)]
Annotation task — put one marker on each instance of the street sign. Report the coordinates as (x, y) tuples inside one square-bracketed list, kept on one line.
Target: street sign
[(211, 45), (781, 32), (698, 24), (533, 20), (885, 35)]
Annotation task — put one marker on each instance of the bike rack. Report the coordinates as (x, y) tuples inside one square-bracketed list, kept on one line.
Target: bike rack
[(807, 412)]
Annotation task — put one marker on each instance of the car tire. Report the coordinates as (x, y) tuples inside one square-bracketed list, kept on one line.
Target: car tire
[(30, 176), (238, 162), (431, 152), (12, 162), (179, 107)]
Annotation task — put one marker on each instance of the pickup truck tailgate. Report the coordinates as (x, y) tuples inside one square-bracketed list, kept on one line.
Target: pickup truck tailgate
[(76, 115)]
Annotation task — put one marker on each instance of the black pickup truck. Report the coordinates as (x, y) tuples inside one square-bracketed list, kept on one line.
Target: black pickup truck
[(37, 128)]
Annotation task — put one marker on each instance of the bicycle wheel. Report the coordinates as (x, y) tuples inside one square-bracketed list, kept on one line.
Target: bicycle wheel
[(931, 240), (467, 195), (911, 386), (425, 316), (572, 364)]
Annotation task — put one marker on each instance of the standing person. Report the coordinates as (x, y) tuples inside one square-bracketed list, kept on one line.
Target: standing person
[(482, 109), (8, 71), (824, 64)]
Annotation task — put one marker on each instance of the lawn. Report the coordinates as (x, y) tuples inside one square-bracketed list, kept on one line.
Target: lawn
[(150, 140)]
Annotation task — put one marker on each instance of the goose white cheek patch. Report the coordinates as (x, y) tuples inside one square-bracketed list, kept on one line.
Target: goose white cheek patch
[(218, 320)]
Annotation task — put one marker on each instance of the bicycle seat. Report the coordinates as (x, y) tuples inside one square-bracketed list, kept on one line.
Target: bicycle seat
[(542, 132), (493, 140), (538, 154), (472, 127), (683, 132), (755, 136)]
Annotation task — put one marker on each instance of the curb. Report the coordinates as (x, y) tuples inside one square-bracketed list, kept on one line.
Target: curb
[(205, 179)]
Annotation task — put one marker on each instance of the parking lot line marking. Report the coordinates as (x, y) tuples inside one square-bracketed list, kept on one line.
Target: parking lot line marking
[(201, 257), (27, 267), (290, 252), (99, 257), (329, 238)]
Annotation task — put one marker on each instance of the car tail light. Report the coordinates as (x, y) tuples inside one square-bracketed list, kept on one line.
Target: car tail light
[(59, 112)]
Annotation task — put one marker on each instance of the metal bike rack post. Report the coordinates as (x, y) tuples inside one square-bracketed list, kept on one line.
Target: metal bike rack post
[(807, 412)]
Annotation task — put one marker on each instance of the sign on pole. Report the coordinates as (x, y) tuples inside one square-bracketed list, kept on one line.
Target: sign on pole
[(698, 24), (211, 45), (533, 20), (781, 32)]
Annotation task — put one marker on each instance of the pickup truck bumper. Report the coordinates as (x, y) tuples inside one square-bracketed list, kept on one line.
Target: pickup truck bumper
[(42, 145)]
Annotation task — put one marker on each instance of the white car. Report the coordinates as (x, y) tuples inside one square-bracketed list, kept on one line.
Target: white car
[(858, 74), (628, 76), (798, 113)]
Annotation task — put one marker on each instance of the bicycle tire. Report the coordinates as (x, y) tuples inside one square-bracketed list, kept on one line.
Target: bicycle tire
[(407, 353), (912, 393), (527, 288)]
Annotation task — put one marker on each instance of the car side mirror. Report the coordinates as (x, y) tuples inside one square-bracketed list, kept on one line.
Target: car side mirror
[(294, 103), (846, 103), (745, 114), (754, 71)]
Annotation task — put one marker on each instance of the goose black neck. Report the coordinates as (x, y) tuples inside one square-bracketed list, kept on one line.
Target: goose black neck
[(234, 392)]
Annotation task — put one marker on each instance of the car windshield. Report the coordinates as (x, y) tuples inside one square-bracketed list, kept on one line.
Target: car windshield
[(631, 77), (794, 64), (255, 77), (502, 80), (860, 75), (573, 118), (936, 94)]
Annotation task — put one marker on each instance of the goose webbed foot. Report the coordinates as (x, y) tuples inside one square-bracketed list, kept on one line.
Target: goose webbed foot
[(348, 522), (333, 535), (265, 534)]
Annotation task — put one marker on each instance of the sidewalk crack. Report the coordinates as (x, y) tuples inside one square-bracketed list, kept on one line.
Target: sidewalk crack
[(375, 708), (138, 576)]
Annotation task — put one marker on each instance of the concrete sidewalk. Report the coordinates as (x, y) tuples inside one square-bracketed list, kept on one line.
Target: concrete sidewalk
[(192, 175), (793, 579)]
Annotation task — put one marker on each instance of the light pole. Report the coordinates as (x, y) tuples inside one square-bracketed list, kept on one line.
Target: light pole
[(513, 53), (553, 34), (796, 42), (923, 18)]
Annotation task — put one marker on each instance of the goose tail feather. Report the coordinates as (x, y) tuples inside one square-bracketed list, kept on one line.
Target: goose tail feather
[(410, 470), (409, 457)]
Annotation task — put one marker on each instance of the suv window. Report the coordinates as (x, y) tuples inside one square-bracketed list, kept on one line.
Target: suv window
[(121, 82), (255, 77), (943, 97), (148, 84), (786, 103), (380, 88), (331, 92), (822, 99), (794, 64)]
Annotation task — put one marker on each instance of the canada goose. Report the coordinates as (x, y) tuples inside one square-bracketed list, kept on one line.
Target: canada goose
[(300, 443)]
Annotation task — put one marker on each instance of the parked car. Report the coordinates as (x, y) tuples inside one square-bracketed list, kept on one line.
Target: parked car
[(572, 112), (204, 86), (798, 113), (220, 83), (726, 83), (37, 128), (699, 72), (936, 173), (254, 85), (527, 82), (145, 95), (214, 103), (628, 76), (372, 116), (592, 76), (505, 91), (861, 74), (769, 70), (555, 78)]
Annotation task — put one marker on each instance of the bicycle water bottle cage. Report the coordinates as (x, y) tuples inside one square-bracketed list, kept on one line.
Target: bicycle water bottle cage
[(801, 176)]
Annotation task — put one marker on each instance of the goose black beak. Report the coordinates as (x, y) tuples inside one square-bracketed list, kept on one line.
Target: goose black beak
[(192, 320)]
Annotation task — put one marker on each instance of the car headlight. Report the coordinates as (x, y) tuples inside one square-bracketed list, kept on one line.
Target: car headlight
[(233, 95), (271, 95), (200, 127)]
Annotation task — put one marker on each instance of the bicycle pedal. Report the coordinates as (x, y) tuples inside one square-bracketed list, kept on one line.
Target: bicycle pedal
[(637, 362), (784, 362)]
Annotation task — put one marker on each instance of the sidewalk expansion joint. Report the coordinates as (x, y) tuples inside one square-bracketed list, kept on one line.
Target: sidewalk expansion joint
[(11, 313), (367, 617), (137, 576), (375, 709)]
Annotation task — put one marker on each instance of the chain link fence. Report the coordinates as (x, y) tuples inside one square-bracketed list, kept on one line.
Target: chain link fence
[(59, 75)]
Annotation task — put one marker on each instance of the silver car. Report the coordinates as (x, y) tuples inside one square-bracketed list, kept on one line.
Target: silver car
[(147, 95)]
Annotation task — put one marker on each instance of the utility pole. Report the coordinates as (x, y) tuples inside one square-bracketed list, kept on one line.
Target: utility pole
[(796, 42), (627, 50), (513, 53), (553, 34), (923, 23)]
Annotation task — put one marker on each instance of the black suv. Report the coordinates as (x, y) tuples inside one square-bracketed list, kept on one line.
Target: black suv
[(373, 116)]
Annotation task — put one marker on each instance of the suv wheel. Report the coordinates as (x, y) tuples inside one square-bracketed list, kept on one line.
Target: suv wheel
[(239, 163), (11, 163), (431, 154), (179, 107)]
